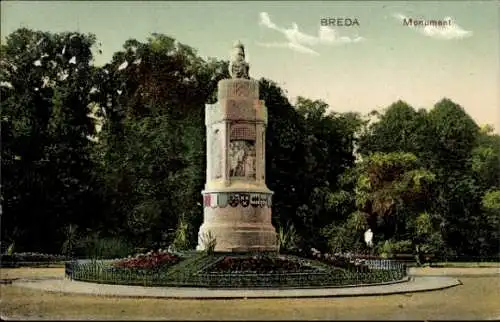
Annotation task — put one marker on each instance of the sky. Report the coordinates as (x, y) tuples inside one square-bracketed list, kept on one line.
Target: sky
[(366, 57)]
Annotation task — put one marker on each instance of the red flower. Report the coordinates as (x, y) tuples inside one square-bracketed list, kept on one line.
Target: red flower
[(147, 261)]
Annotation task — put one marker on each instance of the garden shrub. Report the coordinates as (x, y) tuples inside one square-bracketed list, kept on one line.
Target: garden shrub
[(93, 246)]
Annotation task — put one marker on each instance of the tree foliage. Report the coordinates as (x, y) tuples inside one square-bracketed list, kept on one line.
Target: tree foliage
[(47, 172)]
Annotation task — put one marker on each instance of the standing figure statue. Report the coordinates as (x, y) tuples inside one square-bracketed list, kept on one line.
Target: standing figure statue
[(242, 159), (237, 158), (238, 67), (250, 162)]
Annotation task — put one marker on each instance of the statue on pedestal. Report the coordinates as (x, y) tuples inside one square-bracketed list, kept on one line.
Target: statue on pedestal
[(238, 67)]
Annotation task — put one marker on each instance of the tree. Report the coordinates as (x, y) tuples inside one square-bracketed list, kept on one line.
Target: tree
[(390, 190), (44, 128), (454, 135), (490, 221), (328, 140), (463, 158), (458, 194), (284, 153), (152, 147), (399, 129), (485, 158)]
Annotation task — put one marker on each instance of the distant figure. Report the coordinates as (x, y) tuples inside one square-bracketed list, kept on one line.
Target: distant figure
[(369, 238)]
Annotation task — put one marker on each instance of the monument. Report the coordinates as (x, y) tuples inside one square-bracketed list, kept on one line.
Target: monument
[(236, 201), (237, 217)]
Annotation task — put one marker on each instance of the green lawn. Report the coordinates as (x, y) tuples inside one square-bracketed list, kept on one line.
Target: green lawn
[(466, 264)]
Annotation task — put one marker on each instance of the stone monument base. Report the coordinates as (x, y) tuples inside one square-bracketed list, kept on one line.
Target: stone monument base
[(238, 221), (258, 238)]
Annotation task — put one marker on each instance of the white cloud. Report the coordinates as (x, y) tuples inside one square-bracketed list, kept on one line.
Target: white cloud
[(328, 35), (450, 30), (266, 21), (301, 42), (294, 46)]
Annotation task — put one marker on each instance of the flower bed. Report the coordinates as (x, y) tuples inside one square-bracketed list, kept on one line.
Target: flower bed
[(336, 260), (155, 260), (227, 271), (257, 264)]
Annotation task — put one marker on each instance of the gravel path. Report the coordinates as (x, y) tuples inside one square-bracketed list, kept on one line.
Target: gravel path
[(415, 284)]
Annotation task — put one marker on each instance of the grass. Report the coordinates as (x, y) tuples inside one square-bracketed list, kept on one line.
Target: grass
[(29, 273), (475, 299), (456, 271), (466, 264)]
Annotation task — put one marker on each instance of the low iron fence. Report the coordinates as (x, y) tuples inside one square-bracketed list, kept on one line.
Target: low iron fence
[(381, 271)]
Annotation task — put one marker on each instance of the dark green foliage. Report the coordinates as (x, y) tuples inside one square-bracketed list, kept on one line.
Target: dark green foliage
[(399, 128), (47, 175), (306, 151), (31, 259), (97, 247), (464, 159), (284, 152)]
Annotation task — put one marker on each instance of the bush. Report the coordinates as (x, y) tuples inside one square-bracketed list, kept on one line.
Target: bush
[(71, 239), (287, 238), (28, 258), (342, 238), (104, 248), (181, 239), (335, 260), (389, 248)]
